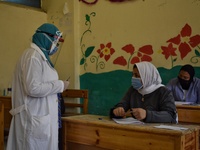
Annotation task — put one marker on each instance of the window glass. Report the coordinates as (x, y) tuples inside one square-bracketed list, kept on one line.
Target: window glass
[(32, 3)]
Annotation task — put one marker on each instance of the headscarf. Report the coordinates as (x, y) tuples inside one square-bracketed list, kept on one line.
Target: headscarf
[(185, 84), (150, 77), (43, 38), (188, 68)]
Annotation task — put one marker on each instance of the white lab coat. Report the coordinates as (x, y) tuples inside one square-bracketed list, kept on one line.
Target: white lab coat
[(34, 124)]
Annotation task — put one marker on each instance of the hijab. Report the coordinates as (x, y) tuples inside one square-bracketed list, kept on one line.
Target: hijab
[(150, 77), (43, 38), (186, 83)]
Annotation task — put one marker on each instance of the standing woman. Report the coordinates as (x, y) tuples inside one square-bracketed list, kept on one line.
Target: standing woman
[(35, 85)]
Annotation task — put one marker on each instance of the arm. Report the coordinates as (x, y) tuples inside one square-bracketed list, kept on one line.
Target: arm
[(166, 111), (198, 90), (36, 81), (121, 107), (170, 84)]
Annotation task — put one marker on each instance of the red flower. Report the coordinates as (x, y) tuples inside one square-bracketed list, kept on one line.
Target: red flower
[(147, 49), (135, 60), (194, 41), (168, 51), (143, 54), (105, 51), (120, 61), (129, 48), (185, 41)]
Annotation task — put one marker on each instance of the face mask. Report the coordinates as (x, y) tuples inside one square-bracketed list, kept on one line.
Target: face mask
[(185, 84), (136, 83), (53, 50), (54, 46)]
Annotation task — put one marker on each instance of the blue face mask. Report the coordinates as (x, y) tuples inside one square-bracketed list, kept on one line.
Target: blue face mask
[(136, 83), (53, 51), (54, 46)]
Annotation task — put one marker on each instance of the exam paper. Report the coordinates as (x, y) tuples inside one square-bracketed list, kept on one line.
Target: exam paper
[(170, 127), (182, 103), (129, 120)]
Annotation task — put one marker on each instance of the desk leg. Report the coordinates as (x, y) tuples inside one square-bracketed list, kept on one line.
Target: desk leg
[(64, 140)]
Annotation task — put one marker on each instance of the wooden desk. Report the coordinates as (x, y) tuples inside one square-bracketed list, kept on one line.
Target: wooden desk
[(5, 118), (1, 126), (92, 132), (6, 100), (188, 114)]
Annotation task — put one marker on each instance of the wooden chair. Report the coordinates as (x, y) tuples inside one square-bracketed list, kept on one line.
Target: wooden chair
[(78, 99)]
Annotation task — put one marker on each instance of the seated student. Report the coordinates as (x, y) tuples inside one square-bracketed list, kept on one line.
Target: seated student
[(147, 98), (186, 87)]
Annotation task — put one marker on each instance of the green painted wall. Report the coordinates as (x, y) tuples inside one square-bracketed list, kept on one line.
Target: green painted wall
[(106, 89)]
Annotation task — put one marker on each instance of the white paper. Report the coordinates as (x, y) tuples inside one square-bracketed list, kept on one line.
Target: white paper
[(186, 103), (128, 120), (170, 127), (182, 103)]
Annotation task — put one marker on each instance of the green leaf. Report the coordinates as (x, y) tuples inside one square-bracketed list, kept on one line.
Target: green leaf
[(197, 53), (89, 50), (82, 61), (87, 17)]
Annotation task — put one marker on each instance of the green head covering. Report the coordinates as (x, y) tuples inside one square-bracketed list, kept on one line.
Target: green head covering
[(41, 38)]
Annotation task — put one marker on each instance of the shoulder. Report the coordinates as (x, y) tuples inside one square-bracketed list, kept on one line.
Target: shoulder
[(174, 80), (131, 90), (163, 90), (196, 81)]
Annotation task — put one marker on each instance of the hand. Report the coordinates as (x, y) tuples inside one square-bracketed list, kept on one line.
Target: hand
[(119, 111), (66, 84), (139, 113)]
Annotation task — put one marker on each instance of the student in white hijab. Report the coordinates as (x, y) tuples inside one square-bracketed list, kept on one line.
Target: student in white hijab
[(147, 99)]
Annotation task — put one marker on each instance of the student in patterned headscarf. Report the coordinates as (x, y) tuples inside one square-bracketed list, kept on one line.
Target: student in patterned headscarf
[(186, 87), (147, 99), (35, 85)]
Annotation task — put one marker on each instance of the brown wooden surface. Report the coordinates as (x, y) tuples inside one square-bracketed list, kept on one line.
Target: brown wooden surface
[(73, 94), (92, 132), (188, 114), (6, 100), (5, 116), (1, 126)]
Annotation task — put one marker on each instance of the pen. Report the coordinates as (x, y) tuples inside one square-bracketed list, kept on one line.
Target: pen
[(68, 78), (129, 112)]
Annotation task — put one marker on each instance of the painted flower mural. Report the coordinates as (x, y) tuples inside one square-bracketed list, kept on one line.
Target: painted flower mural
[(169, 51), (195, 59), (143, 54), (178, 46), (92, 2), (86, 51), (184, 42), (105, 51)]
